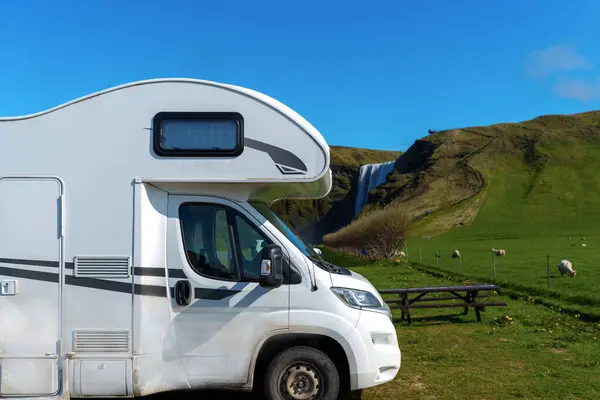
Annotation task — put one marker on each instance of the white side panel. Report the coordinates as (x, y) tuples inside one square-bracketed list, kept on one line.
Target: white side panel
[(28, 376), (30, 262), (100, 378), (156, 363), (109, 137)]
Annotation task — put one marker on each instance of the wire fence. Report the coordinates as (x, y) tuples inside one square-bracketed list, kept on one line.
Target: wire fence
[(533, 269)]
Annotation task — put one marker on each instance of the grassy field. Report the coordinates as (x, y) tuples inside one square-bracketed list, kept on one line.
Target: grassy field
[(523, 351), (548, 219)]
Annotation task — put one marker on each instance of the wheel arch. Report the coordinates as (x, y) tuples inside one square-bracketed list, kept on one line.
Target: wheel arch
[(336, 348)]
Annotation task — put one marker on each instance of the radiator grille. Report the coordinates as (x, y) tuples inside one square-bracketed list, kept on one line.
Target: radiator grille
[(102, 267), (101, 341)]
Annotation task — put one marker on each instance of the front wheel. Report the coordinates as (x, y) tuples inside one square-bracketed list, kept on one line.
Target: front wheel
[(302, 373)]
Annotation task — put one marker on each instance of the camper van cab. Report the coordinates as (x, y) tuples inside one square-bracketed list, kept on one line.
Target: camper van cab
[(139, 253)]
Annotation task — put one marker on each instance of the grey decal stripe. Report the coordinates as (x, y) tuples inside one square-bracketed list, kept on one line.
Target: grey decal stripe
[(137, 271), (147, 271), (120, 287), (210, 294), (177, 273), (213, 294), (173, 273), (277, 154), (27, 274), (37, 263)]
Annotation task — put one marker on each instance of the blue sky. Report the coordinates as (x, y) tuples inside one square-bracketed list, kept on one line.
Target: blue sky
[(374, 74)]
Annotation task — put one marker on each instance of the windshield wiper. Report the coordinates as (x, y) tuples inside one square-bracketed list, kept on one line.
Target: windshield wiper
[(322, 263)]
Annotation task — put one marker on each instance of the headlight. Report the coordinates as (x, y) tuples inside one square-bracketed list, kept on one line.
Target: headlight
[(356, 298)]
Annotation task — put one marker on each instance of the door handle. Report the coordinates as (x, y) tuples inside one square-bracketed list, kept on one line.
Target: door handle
[(183, 293)]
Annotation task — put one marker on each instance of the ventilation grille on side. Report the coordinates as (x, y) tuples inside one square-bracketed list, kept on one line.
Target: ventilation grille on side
[(101, 267), (101, 341)]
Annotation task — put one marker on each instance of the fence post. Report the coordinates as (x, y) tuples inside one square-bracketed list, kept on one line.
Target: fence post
[(420, 257), (437, 259), (548, 267), (494, 261)]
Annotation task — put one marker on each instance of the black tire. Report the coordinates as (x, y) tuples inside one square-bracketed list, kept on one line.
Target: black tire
[(314, 369)]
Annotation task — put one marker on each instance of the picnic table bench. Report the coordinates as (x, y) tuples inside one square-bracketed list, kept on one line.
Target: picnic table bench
[(471, 298)]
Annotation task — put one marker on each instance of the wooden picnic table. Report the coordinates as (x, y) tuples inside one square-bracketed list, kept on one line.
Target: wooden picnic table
[(471, 298)]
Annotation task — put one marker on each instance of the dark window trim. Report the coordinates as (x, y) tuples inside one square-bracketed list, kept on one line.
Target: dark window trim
[(236, 213), (231, 241), (178, 115), (294, 277), (234, 244)]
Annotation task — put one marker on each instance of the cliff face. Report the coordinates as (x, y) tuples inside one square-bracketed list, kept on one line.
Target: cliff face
[(314, 218)]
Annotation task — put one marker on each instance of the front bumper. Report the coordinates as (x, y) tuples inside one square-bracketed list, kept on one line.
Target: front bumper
[(374, 345)]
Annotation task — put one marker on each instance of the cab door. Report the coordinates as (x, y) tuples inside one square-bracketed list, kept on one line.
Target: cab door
[(214, 244)]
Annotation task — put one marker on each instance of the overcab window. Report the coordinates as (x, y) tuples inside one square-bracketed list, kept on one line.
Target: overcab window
[(198, 134)]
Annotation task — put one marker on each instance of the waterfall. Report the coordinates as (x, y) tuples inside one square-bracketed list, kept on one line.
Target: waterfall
[(369, 177)]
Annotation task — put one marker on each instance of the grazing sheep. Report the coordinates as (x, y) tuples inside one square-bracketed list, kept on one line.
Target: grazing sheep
[(565, 267), (398, 253), (499, 252), (583, 245), (456, 254)]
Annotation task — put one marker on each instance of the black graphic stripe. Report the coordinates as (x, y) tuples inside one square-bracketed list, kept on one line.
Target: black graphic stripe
[(119, 287), (277, 154)]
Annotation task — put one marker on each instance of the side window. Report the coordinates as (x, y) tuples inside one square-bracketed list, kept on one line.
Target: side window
[(207, 241), (251, 242)]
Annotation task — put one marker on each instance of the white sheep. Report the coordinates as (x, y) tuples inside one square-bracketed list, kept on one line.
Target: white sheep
[(398, 253), (456, 254), (499, 252), (565, 267)]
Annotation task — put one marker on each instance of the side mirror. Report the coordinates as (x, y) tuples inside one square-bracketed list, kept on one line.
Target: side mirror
[(183, 293), (271, 274)]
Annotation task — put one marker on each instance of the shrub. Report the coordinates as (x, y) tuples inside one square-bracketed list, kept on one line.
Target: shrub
[(381, 233)]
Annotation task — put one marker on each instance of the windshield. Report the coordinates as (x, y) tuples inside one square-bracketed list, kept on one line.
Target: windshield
[(266, 212)]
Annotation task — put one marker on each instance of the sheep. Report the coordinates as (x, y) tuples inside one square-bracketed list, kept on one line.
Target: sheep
[(456, 254), (398, 253), (583, 245), (499, 252), (565, 267)]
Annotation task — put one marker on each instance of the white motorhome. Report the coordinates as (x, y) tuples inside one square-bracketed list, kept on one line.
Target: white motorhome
[(129, 223)]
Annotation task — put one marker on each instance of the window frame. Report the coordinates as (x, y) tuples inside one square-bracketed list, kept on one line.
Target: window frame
[(162, 116), (294, 277), (236, 233)]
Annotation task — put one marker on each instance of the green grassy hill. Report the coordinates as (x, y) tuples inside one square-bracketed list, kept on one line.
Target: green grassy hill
[(531, 188), (517, 177)]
